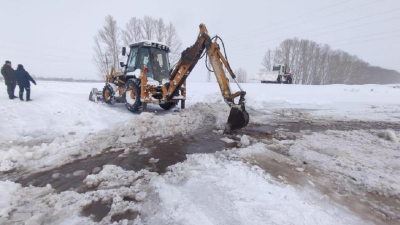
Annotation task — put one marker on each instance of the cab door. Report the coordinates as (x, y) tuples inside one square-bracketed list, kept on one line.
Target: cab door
[(133, 57)]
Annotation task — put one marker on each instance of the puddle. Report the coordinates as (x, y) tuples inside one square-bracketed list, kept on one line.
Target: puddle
[(159, 156), (267, 131), (127, 215), (369, 206), (66, 179), (96, 211)]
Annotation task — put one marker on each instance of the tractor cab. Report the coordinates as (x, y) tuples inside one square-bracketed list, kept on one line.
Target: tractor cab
[(281, 68), (148, 54)]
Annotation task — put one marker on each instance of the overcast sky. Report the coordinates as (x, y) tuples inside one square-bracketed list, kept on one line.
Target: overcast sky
[(55, 38)]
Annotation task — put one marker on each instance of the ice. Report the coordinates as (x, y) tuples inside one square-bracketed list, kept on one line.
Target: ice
[(245, 141), (227, 140), (388, 135), (55, 176), (80, 173), (96, 170)]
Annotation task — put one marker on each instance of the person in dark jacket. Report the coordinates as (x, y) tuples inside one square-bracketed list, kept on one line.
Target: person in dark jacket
[(8, 73), (23, 79)]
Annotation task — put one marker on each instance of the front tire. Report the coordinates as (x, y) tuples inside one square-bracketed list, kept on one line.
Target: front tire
[(132, 96), (108, 95)]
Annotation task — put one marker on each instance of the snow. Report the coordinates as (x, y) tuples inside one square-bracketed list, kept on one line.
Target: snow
[(212, 190), (226, 187), (370, 161), (245, 141), (205, 189)]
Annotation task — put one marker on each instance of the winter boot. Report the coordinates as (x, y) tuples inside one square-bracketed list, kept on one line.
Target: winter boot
[(28, 94)]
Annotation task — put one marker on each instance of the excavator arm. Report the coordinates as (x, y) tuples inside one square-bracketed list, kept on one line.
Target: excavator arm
[(238, 117)]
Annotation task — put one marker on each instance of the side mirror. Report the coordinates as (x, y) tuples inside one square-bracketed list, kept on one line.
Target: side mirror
[(122, 64), (123, 51)]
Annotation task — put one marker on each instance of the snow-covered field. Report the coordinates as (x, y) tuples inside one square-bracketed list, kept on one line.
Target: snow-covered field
[(332, 158)]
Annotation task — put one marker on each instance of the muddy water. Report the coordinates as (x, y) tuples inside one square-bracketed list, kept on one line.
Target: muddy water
[(168, 152), (96, 211), (368, 206)]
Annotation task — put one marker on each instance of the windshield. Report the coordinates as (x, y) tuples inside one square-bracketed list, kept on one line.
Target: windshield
[(160, 64)]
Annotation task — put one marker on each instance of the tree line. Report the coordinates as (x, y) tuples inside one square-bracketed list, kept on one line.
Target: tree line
[(110, 38), (319, 64)]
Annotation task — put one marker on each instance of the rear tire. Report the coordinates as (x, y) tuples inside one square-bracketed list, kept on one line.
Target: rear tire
[(168, 105), (289, 80), (108, 95), (132, 96), (279, 79)]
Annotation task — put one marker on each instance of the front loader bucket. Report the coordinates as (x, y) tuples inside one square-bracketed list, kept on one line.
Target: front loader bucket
[(238, 118)]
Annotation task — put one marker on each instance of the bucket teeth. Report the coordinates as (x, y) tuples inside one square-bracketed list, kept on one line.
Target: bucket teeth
[(238, 119)]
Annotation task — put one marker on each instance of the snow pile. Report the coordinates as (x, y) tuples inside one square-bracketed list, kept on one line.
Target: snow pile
[(358, 156), (64, 149), (150, 125), (210, 189), (388, 135), (7, 188), (113, 176), (115, 191)]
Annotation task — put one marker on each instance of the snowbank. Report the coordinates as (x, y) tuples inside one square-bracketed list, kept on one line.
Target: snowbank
[(63, 149)]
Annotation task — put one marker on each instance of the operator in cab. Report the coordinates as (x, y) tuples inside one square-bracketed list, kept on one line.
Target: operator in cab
[(156, 65)]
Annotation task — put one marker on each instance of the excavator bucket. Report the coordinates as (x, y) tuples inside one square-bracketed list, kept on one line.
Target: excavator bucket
[(238, 118)]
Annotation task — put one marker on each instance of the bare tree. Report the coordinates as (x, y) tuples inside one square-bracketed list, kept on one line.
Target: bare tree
[(107, 47), (153, 29), (107, 43), (148, 27), (241, 75), (174, 42), (100, 59), (159, 28), (267, 62), (132, 32), (313, 63)]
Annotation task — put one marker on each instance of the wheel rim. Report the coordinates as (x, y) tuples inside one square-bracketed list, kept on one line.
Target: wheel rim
[(130, 95), (107, 94)]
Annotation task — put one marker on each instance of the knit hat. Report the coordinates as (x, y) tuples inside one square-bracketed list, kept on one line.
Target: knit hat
[(7, 61)]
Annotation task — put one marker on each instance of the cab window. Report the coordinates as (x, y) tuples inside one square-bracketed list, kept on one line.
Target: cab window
[(132, 60)]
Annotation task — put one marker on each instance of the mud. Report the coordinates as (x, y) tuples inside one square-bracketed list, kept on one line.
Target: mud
[(96, 211), (127, 215)]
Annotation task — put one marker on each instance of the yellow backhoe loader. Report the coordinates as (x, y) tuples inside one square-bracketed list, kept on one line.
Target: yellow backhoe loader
[(147, 78)]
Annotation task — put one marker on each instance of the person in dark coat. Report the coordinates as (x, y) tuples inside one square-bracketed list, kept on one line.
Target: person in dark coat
[(23, 79), (8, 73)]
